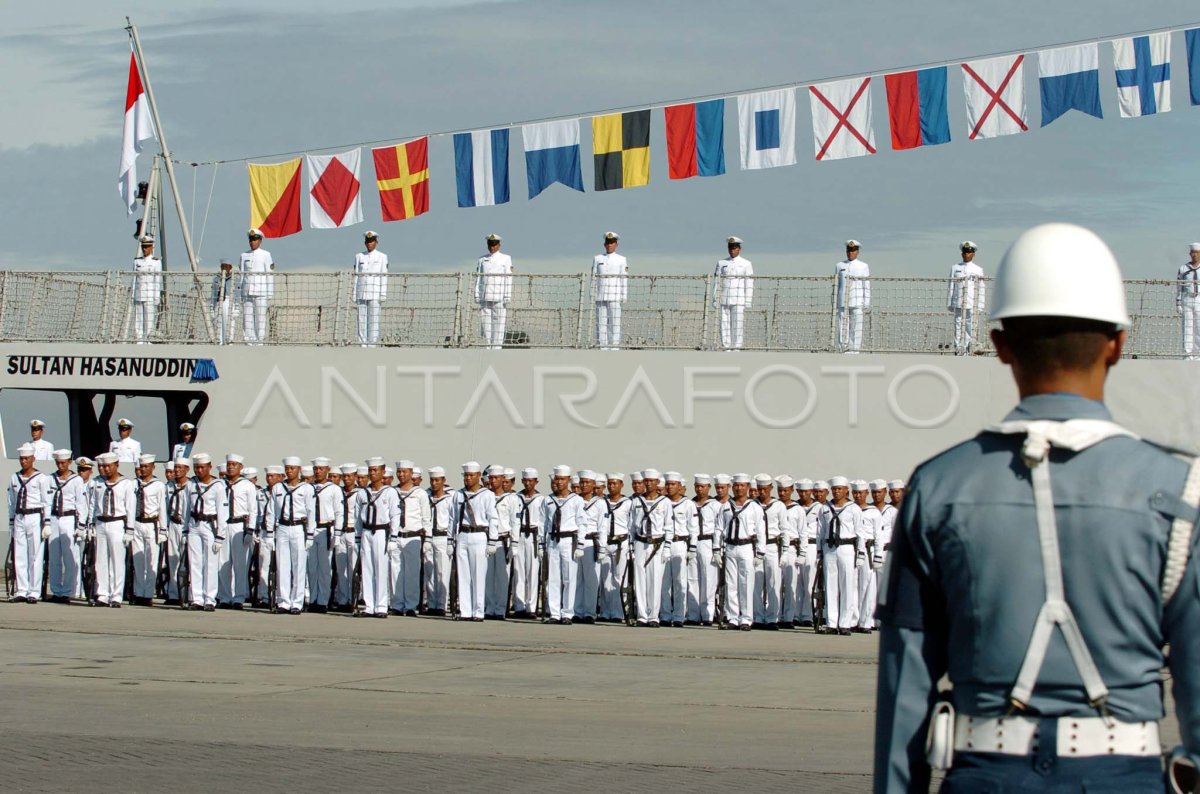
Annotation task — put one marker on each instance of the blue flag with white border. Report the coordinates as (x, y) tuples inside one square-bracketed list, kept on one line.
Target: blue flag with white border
[(767, 122), (481, 167)]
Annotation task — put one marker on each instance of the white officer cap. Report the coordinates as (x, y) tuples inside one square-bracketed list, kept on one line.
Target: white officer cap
[(858, 485), (362, 470), (62, 454), (249, 472), (587, 474), (877, 485), (83, 462), (388, 471), (274, 468), (529, 474), (187, 426), (404, 464), (672, 476), (1195, 247), (561, 471), (36, 423), (609, 236), (651, 474), (254, 233), (804, 485), (183, 463), (145, 458), (763, 479), (702, 479), (722, 479), (852, 243), (968, 245), (102, 458), (820, 485), (123, 422), (495, 469), (373, 462), (436, 471), (615, 475), (233, 457), (495, 238), (146, 238), (306, 471), (416, 472), (731, 240), (784, 481), (895, 484), (470, 466), (637, 476), (320, 462), (370, 235), (509, 474), (835, 482), (202, 457), (348, 468), (743, 477)]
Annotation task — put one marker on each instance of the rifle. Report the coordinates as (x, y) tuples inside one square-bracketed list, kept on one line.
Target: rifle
[(720, 601), (629, 578), (45, 569), (509, 563), (10, 569), (160, 580), (254, 572), (333, 567), (355, 584), (130, 573), (183, 577), (543, 576), (818, 593), (452, 593), (422, 598), (273, 581)]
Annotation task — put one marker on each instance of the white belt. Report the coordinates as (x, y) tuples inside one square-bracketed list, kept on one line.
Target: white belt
[(1078, 737)]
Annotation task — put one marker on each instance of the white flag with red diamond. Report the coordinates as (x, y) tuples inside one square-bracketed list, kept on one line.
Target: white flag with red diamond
[(334, 197)]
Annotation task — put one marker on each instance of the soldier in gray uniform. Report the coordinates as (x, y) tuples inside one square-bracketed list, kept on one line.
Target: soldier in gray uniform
[(1043, 565)]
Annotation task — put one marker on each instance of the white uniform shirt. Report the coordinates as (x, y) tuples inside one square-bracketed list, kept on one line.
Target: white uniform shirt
[(440, 510), (855, 290), (815, 516), (776, 517), (685, 523), (177, 504), (293, 506), (967, 288), (529, 519), (593, 521), (563, 517), (329, 505), (795, 522), (508, 508), (34, 493), (114, 502), (376, 510), (610, 280), (616, 518), (734, 282), (708, 521), (648, 518), (42, 449), (493, 282), (127, 450), (223, 288), (1189, 283), (147, 279), (841, 522), (370, 276), (475, 509), (869, 526), (744, 522), (883, 534), (243, 504), (208, 503), (71, 495), (181, 450), (258, 277), (416, 512), (150, 498)]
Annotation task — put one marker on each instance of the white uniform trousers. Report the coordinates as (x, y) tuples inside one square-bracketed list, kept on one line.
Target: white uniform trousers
[(805, 578), (368, 322), (674, 588), (739, 585), (292, 567), (495, 589), (525, 573), (492, 317), (767, 586), (345, 558), (841, 587), (964, 331), (404, 554), (855, 327), (225, 569), (202, 565), (27, 555), (587, 582), (560, 581), (1190, 308), (614, 572), (174, 550), (375, 567), (254, 319), (223, 320), (319, 573), (145, 559), (266, 557), (471, 561), (64, 557), (145, 316), (789, 578), (437, 572), (867, 579), (733, 324), (110, 561), (648, 572), (241, 549), (608, 325), (702, 584), (843, 330)]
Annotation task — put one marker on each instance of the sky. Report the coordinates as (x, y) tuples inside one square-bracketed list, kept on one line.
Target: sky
[(246, 79)]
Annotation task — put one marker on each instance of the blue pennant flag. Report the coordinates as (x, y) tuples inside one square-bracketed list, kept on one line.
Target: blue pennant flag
[(1069, 78)]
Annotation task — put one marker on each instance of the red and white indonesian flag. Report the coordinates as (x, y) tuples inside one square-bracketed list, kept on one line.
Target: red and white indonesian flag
[(138, 127), (334, 199)]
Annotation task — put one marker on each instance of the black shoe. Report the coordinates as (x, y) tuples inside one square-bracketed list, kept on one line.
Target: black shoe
[(294, 611), (115, 604), (209, 608), (411, 613), (550, 621), (381, 614), (171, 602), (224, 605), (395, 612), (588, 620), (239, 607), (476, 620), (641, 624), (706, 623), (567, 621), (806, 624), (196, 608), (843, 632), (17, 600), (691, 623), (678, 624), (745, 628), (771, 627), (654, 624)]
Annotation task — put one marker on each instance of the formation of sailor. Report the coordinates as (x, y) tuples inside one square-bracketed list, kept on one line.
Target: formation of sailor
[(493, 291), (127, 448), (1187, 302), (733, 292), (967, 297), (256, 270), (370, 288), (610, 289), (852, 297), (224, 302), (42, 449), (147, 290)]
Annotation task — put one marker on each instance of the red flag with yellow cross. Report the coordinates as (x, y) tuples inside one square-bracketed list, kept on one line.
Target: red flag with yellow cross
[(402, 173)]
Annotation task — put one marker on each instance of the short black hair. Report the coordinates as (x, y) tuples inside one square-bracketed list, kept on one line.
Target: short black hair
[(1057, 343)]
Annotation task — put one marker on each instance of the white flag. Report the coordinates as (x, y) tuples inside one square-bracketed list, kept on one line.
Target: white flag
[(841, 114), (767, 121), (138, 127), (335, 195), (995, 91)]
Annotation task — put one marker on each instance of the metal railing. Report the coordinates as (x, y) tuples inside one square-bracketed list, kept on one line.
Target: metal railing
[(658, 312)]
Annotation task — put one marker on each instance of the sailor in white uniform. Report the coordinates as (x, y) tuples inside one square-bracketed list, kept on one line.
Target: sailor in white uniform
[(614, 566), (702, 562), (967, 296), (224, 301), (345, 550), (853, 297), (867, 580), (292, 525), (508, 506), (1187, 302), (437, 549), (127, 448), (809, 531), (610, 289), (743, 530), (149, 530), (208, 510), (733, 292), (768, 584), (493, 291), (147, 290), (114, 508), (68, 515), (526, 569), (177, 510), (562, 524), (789, 560), (376, 525), (592, 546), (474, 523), (416, 522), (649, 517), (240, 530), (30, 495), (370, 289), (683, 529), (42, 449), (839, 543), (256, 268)]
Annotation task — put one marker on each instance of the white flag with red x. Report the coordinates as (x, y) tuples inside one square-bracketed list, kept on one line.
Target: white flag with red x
[(995, 96), (841, 113)]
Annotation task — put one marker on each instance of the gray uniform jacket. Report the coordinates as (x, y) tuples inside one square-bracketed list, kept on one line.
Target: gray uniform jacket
[(964, 585)]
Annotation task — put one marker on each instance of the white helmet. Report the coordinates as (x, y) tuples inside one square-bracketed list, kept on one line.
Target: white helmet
[(1060, 270)]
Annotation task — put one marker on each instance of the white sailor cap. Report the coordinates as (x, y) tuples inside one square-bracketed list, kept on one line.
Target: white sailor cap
[(615, 475), (83, 462), (374, 462), (274, 468), (225, 262), (763, 479), (1195, 247), (895, 484), (852, 243), (637, 476), (169, 465), (102, 459), (529, 474), (804, 485), (742, 476), (249, 472), (702, 479), (370, 235), (404, 464), (362, 471), (123, 422), (858, 485), (610, 236), (254, 233), (416, 472), (182, 462), (145, 458), (320, 462), (509, 474), (306, 471), (62, 454), (574, 479), (220, 468), (877, 485), (233, 457), (293, 460), (146, 238), (201, 457), (561, 470), (436, 471), (495, 470), (348, 468), (968, 245), (587, 474), (388, 471), (821, 485), (672, 476), (651, 474), (495, 238), (187, 426), (836, 482), (722, 479), (470, 466), (784, 481), (36, 423), (731, 240)]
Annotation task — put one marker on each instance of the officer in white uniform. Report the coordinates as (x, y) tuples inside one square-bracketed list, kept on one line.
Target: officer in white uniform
[(815, 514), (563, 523), (370, 289), (868, 530), (149, 530), (42, 449), (768, 574), (240, 532), (649, 517), (224, 301), (733, 292), (292, 525), (967, 296), (208, 509), (610, 289), (614, 566), (68, 515), (839, 543), (743, 530), (177, 510), (526, 569), (1187, 302), (437, 548), (114, 508), (416, 522), (256, 268), (183, 449), (147, 290), (30, 494), (376, 525), (702, 569), (126, 447), (853, 298), (508, 506), (493, 291)]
